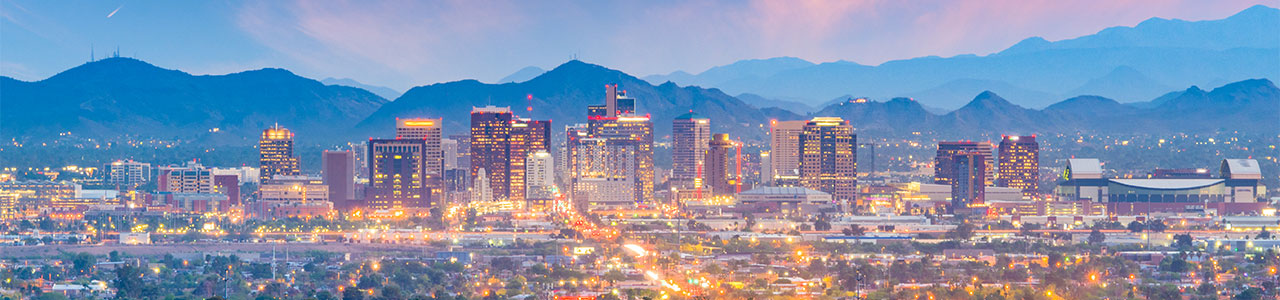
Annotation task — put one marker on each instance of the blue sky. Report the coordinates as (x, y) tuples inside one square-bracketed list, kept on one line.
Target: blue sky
[(401, 44)]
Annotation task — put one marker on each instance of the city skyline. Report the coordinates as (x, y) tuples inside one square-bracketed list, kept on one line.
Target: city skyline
[(1094, 158)]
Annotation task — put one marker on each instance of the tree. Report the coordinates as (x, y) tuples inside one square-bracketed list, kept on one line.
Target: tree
[(854, 230), (1156, 225), (964, 231), (352, 294), (1264, 234), (128, 282), (472, 220), (1207, 289), (821, 225), (51, 296), (1096, 237), (83, 262), (1136, 227), (1183, 241), (1249, 294), (392, 292), (1029, 229)]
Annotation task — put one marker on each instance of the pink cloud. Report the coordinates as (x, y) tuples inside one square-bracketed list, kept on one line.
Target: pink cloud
[(411, 43)]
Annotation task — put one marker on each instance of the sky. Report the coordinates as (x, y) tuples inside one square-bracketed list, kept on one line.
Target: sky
[(401, 44)]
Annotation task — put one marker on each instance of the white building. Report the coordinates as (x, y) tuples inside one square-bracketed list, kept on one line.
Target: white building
[(190, 178), (294, 189), (127, 173), (539, 175)]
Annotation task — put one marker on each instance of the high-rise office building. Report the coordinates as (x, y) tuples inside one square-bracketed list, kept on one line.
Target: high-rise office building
[(449, 148), (943, 166), (970, 169), (191, 178), (339, 175), (302, 197), (275, 154), (397, 175), (722, 170), (527, 137), (784, 152), (1019, 164), (481, 192), (615, 103), (429, 132), (616, 124), (464, 151), (640, 130), (605, 173), (568, 169), (829, 159), (540, 178), (127, 173), (490, 149), (690, 136)]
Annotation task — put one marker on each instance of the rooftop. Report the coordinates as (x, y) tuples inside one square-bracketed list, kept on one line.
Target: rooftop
[(1168, 184), (782, 190), (1241, 169)]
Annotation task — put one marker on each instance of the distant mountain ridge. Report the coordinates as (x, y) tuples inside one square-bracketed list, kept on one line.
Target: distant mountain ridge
[(562, 95), (117, 97), (522, 75), (1247, 106), (1130, 64), (381, 91), (120, 98)]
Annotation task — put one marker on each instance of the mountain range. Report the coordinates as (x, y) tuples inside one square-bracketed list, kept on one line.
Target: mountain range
[(562, 95), (381, 91), (1129, 64), (123, 97), (116, 98)]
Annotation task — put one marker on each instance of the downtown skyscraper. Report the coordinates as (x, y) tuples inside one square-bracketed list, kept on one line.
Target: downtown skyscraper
[(275, 154), (723, 168), (527, 137), (501, 145), (431, 133), (397, 179), (339, 174), (613, 130), (784, 152), (969, 189), (1019, 164), (490, 150), (829, 159), (406, 173), (944, 165), (690, 137)]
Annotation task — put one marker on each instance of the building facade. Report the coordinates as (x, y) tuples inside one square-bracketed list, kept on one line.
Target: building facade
[(944, 167), (397, 175), (784, 152), (1237, 191), (540, 187), (127, 173), (968, 190), (340, 175), (829, 159), (723, 169), (1019, 164), (490, 150), (690, 137), (275, 154)]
